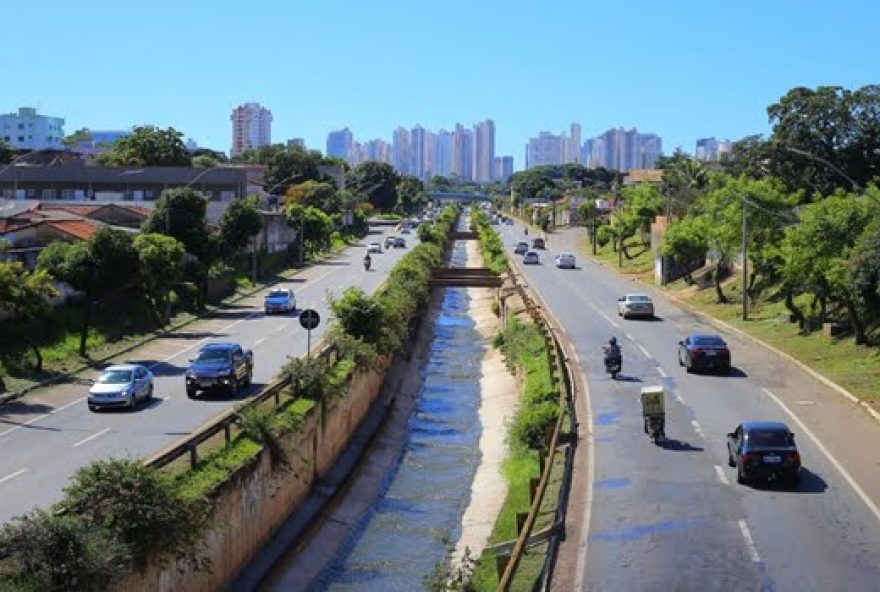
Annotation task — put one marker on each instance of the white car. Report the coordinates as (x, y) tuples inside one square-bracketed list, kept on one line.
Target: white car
[(374, 248), (121, 386), (531, 258), (635, 305), (565, 260), (279, 300)]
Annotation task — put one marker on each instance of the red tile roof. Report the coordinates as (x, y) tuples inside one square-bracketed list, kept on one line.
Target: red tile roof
[(79, 210), (76, 228)]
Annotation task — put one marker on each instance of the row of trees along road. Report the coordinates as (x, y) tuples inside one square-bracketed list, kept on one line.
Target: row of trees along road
[(809, 195)]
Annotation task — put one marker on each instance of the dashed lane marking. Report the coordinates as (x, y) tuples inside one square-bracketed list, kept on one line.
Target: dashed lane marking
[(697, 427), (750, 544), (92, 437), (721, 476), (662, 372), (643, 350), (12, 476), (843, 472), (679, 398), (259, 341)]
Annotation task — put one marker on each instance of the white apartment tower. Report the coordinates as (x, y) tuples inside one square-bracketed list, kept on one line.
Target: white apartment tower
[(251, 127)]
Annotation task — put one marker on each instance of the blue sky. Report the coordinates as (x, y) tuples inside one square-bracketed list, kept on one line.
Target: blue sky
[(680, 68)]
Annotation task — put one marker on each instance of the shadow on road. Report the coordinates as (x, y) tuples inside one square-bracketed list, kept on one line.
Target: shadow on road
[(193, 335), (625, 378), (809, 482), (734, 372), (23, 408), (679, 446), (160, 369)]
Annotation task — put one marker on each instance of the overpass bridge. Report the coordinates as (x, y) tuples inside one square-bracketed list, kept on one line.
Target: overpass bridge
[(443, 196)]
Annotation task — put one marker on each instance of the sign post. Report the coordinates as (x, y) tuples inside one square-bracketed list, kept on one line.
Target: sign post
[(309, 319)]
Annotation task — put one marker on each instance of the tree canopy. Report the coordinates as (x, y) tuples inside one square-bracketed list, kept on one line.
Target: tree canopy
[(181, 213), (377, 181), (148, 146)]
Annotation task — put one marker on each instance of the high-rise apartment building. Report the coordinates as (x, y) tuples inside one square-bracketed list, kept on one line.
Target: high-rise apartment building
[(711, 149), (573, 147), (506, 168), (430, 155), (443, 153), (401, 151), (552, 149), (339, 143), (623, 150), (251, 127), (27, 130), (463, 152), (296, 142), (484, 150), (418, 149)]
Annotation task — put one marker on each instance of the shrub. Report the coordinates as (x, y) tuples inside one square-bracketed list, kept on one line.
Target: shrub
[(46, 551), (140, 507), (531, 421)]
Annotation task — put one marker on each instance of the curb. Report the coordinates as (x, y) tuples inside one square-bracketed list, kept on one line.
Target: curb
[(728, 327), (9, 397)]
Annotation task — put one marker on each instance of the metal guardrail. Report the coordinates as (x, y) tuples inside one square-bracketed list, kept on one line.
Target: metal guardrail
[(567, 397), (225, 421)]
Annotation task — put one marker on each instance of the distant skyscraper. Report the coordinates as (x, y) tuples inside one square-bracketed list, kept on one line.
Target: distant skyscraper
[(443, 153), (378, 151), (574, 144), (339, 143), (463, 152), (506, 167), (546, 149), (484, 150), (496, 167), (586, 154), (296, 142), (251, 127), (401, 151), (417, 151), (710, 149), (26, 130), (430, 155), (623, 150)]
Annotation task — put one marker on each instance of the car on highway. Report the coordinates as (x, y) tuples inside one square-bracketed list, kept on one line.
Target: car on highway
[(389, 241), (220, 366), (405, 230), (374, 248), (704, 352), (531, 258), (279, 300), (538, 243), (521, 248), (565, 260), (763, 450), (399, 242), (121, 386), (635, 305)]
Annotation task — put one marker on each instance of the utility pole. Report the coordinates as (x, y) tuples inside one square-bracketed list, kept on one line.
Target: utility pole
[(620, 229), (302, 237), (745, 262)]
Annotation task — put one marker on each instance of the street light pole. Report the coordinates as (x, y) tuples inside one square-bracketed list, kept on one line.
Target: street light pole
[(745, 262)]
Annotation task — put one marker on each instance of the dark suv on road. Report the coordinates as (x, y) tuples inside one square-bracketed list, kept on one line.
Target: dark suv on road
[(220, 366)]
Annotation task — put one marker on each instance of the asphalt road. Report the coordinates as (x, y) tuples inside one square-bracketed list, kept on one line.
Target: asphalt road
[(672, 517), (48, 435)]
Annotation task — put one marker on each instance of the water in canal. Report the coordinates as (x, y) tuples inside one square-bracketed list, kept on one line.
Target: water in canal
[(423, 497)]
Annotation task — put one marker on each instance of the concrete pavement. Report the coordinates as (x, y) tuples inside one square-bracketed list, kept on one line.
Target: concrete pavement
[(50, 433), (673, 517)]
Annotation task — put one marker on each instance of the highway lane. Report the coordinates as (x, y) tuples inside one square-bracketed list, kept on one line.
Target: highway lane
[(673, 517), (44, 454)]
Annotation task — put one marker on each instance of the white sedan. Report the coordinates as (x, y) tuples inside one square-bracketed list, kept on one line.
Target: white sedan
[(531, 258), (635, 305), (565, 260), (121, 386), (374, 248)]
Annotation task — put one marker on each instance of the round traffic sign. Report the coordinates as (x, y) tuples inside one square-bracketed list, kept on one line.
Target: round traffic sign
[(309, 319)]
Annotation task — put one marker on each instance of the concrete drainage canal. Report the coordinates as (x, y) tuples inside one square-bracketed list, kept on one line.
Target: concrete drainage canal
[(403, 508)]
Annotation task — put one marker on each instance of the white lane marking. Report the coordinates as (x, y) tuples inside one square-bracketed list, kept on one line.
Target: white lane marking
[(630, 337), (12, 476), (71, 404), (44, 416), (281, 328), (844, 473), (92, 437), (662, 372), (697, 428), (750, 544), (259, 341), (721, 476), (603, 315), (679, 398), (643, 350)]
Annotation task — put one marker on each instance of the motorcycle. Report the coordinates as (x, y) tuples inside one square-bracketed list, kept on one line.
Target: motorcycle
[(655, 427), (367, 262), (613, 363)]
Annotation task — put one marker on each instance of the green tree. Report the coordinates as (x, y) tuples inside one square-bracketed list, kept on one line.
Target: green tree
[(24, 296), (285, 165), (141, 506), (377, 181), (685, 179), (240, 223), (102, 268), (641, 203), (359, 315), (530, 184), (80, 135), (161, 267), (685, 243), (439, 183), (315, 225), (7, 153), (203, 161), (148, 146), (315, 194), (182, 213), (816, 253), (410, 195)]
